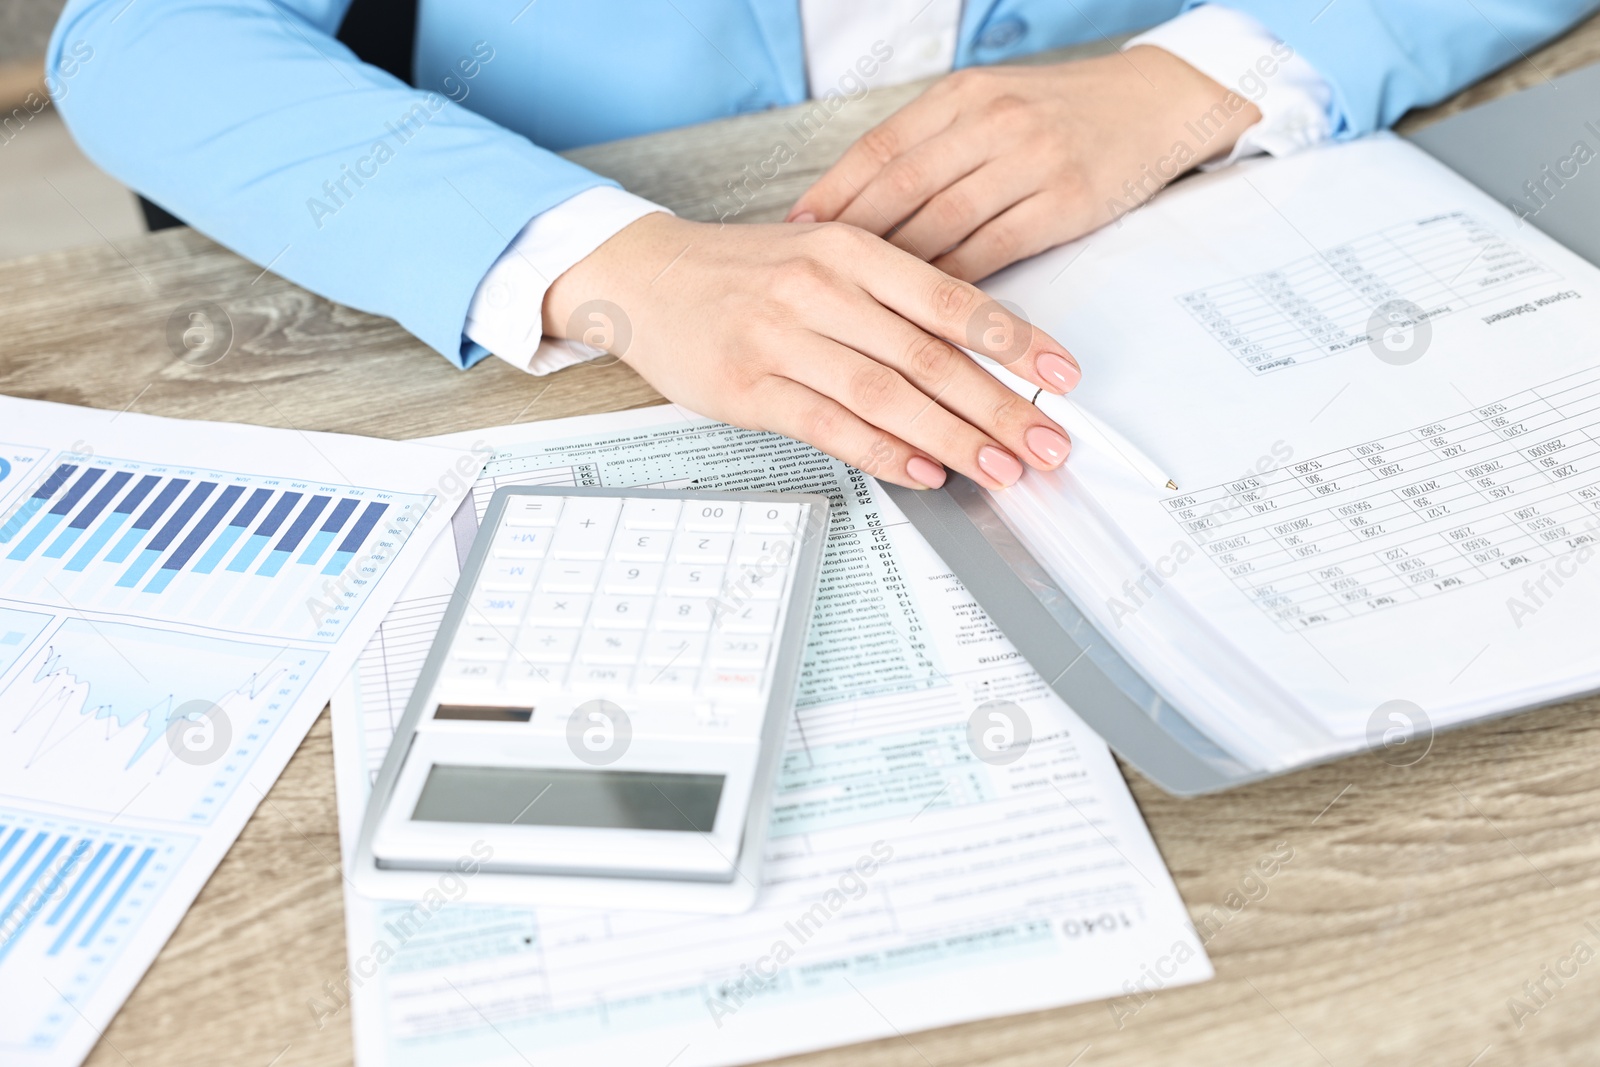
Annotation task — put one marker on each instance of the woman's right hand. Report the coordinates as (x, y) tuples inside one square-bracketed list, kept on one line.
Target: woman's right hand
[(827, 334)]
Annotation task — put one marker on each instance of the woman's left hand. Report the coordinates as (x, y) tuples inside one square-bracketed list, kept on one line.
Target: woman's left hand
[(994, 164)]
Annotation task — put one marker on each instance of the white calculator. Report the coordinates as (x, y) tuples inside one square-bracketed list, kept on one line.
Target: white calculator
[(602, 716)]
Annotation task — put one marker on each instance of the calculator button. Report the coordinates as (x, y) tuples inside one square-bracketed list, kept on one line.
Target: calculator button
[(508, 574), (650, 514), (743, 650), (764, 549), (686, 614), (711, 516), (756, 583), (533, 511), (459, 670), (613, 612), (618, 646), (702, 548), (558, 609), (527, 674), (585, 527), (496, 608), (760, 617), (564, 577), (480, 643), (538, 644), (711, 718), (690, 579), (731, 683), (606, 679), (770, 518), (674, 649), (514, 542), (646, 546), (665, 681), (631, 577)]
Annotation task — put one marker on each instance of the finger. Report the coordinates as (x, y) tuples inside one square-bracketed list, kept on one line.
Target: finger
[(958, 312), (881, 397), (1021, 231), (955, 212), (912, 178), (952, 380), (806, 415), (911, 125)]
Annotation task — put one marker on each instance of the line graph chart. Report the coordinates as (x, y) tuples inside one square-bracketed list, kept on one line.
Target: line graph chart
[(162, 725)]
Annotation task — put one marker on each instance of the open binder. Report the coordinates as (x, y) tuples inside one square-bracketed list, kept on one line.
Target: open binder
[(1328, 578)]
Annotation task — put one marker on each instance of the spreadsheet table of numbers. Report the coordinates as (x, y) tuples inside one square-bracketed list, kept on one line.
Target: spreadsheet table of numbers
[(1415, 514), (1325, 303)]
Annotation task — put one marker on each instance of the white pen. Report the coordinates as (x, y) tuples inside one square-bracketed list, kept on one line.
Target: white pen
[(1074, 419)]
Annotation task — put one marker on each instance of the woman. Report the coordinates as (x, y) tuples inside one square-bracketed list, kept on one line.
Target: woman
[(443, 205)]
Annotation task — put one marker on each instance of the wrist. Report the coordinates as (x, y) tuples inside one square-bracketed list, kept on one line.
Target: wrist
[(613, 271), (1206, 116)]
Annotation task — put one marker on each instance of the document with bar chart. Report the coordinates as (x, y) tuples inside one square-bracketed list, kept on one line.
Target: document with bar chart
[(177, 603)]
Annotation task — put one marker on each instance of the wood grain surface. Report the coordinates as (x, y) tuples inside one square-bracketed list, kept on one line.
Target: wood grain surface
[(1417, 902)]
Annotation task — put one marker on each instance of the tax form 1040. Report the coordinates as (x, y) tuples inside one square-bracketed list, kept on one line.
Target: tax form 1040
[(948, 841)]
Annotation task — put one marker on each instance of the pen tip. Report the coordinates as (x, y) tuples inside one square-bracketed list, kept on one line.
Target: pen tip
[(1171, 484)]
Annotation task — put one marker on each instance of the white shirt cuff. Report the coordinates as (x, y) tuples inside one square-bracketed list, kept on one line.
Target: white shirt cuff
[(1237, 52), (506, 315)]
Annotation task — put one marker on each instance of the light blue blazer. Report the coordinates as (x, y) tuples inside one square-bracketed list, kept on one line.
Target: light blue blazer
[(249, 121)]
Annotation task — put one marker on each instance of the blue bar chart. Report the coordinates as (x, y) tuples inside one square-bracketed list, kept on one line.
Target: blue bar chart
[(263, 534), (292, 537), (233, 531), (32, 506), (81, 521), (72, 893), (346, 553), (203, 546), (164, 536), (112, 523)]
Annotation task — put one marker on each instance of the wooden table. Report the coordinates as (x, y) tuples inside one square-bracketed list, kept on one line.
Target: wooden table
[(1418, 899)]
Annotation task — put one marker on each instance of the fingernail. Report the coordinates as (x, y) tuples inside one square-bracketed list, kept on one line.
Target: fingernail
[(1047, 444), (1059, 373), (1003, 467), (804, 216), (925, 472)]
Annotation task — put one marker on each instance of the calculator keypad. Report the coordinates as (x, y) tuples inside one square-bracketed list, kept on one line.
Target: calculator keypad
[(662, 598)]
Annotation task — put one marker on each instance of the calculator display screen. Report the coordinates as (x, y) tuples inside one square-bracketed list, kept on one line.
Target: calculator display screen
[(537, 796)]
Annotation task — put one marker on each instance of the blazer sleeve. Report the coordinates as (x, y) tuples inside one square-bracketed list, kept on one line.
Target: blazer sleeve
[(249, 121), (1384, 57)]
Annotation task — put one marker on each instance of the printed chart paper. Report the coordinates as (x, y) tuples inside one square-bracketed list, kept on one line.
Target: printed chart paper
[(177, 602)]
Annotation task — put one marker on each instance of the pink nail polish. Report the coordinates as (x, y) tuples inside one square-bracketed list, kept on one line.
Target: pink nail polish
[(1047, 444), (925, 472), (1003, 467), (804, 216), (1059, 373)]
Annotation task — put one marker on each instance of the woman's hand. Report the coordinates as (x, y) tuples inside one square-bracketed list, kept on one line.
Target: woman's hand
[(994, 164), (827, 334)]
